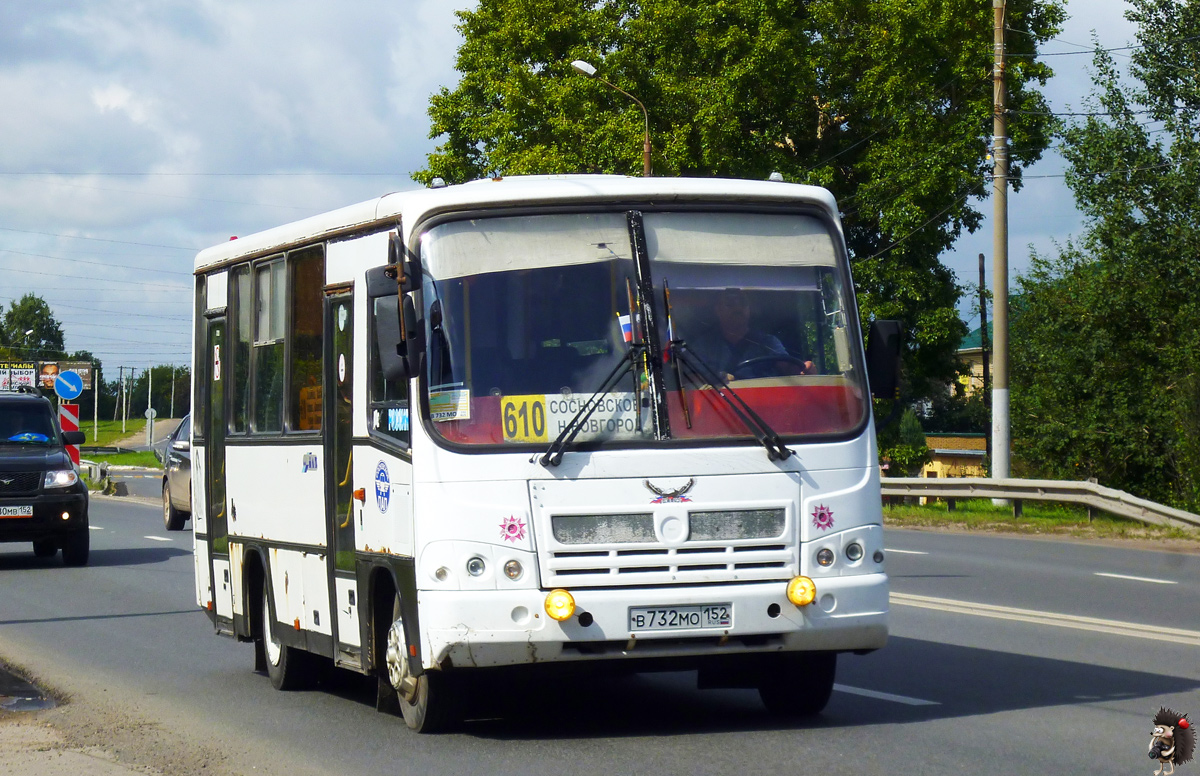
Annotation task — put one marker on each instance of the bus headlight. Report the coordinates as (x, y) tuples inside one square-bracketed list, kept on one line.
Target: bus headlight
[(513, 570), (825, 556), (801, 591), (560, 605), (854, 552), (476, 566)]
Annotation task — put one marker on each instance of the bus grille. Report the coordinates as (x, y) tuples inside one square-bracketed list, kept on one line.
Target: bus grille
[(622, 549)]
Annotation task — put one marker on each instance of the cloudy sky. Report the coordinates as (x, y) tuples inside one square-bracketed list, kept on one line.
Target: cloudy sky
[(136, 132)]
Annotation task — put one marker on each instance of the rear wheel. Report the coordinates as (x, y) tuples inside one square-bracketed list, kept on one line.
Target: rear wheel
[(173, 519), (75, 548), (429, 702), (286, 666), (799, 685), (45, 548)]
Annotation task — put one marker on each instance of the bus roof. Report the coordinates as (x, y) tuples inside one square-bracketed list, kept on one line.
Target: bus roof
[(514, 191)]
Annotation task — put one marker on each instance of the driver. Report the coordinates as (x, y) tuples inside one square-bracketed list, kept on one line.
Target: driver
[(732, 342)]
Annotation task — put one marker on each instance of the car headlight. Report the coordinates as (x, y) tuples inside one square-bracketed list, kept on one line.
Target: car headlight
[(60, 478)]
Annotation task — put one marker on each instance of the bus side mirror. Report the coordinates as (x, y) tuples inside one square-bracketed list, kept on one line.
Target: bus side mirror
[(883, 358), (393, 349)]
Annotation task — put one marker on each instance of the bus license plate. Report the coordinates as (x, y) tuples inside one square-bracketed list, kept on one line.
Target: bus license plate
[(22, 511), (659, 618)]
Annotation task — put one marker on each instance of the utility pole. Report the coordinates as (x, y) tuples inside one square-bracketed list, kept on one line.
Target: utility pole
[(983, 344), (95, 401), (172, 413), (120, 404), (1000, 417), (149, 406)]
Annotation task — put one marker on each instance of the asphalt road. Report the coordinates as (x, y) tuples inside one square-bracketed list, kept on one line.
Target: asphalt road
[(960, 687)]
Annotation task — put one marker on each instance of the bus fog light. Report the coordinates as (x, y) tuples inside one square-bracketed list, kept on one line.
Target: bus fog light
[(560, 605), (513, 569), (854, 552), (476, 566), (801, 591), (66, 515), (878, 556), (825, 557), (442, 574)]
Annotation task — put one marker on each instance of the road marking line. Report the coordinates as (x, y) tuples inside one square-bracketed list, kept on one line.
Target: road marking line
[(1137, 579), (1093, 624), (157, 538), (905, 552), (95, 528), (884, 696)]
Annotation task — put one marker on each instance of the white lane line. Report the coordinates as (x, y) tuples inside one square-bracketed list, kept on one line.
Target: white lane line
[(905, 552), (1137, 579), (884, 696), (95, 528), (1093, 624), (157, 538)]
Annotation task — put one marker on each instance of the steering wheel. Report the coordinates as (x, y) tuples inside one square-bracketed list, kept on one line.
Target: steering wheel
[(771, 359)]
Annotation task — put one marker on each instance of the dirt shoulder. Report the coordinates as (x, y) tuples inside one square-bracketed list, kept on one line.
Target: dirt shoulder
[(1133, 538)]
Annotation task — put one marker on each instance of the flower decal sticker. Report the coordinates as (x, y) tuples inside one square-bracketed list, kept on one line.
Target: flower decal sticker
[(823, 517), (512, 529)]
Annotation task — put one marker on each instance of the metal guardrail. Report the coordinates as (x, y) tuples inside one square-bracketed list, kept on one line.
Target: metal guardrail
[(1089, 494)]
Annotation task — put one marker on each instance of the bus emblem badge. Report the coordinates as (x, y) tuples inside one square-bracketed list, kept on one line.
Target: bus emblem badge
[(383, 487), (823, 517), (512, 529)]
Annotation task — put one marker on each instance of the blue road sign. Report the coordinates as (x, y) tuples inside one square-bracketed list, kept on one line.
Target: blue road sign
[(68, 385)]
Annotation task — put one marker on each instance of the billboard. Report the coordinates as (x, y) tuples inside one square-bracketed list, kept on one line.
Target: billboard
[(17, 373), (50, 369)]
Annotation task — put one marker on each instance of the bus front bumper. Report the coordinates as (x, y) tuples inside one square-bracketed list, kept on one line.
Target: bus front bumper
[(502, 628)]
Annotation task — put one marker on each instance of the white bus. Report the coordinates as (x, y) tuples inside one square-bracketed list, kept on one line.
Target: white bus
[(609, 421)]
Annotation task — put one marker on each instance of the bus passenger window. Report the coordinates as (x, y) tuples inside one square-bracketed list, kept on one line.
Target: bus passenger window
[(240, 374), (268, 346), (388, 402), (308, 277)]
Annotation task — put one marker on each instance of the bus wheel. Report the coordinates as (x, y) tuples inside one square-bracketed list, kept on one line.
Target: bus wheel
[(428, 701), (799, 685), (285, 665)]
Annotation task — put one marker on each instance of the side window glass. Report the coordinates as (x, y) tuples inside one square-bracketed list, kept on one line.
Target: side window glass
[(242, 320), (308, 279), (268, 346), (389, 407), (199, 349)]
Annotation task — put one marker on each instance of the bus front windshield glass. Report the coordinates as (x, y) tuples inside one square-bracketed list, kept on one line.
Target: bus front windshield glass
[(526, 316), (760, 302), (523, 320)]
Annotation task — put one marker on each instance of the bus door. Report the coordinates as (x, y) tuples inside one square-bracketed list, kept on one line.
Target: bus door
[(217, 537), (339, 480)]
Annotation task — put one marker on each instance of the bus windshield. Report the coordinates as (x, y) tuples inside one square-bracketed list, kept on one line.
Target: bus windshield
[(526, 316)]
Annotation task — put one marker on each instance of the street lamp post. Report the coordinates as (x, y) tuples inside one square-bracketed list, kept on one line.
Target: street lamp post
[(590, 72)]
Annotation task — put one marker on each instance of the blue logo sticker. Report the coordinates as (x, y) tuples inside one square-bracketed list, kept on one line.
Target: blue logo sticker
[(309, 463), (383, 487)]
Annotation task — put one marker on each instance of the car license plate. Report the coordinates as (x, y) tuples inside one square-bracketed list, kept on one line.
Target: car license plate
[(659, 618), (21, 511)]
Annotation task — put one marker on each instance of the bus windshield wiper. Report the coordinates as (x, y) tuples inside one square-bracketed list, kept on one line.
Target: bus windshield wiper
[(554, 453), (701, 372)]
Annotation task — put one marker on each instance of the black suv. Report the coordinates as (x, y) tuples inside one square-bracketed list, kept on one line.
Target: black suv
[(42, 498)]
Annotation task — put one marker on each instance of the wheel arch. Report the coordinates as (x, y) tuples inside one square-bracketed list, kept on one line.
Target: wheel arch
[(384, 579)]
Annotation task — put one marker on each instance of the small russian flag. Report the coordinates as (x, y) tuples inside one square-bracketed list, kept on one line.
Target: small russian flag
[(626, 327)]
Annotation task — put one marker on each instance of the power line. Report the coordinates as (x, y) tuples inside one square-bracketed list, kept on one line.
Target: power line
[(101, 280), (98, 239), (96, 263)]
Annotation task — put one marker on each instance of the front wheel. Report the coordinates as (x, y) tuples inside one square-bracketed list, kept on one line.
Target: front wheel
[(428, 702), (173, 519), (798, 685), (45, 548), (75, 548)]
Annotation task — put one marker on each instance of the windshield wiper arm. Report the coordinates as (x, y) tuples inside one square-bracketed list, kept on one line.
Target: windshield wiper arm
[(554, 453), (763, 433)]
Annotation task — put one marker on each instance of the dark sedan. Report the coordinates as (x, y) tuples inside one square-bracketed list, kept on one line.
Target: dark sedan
[(177, 476)]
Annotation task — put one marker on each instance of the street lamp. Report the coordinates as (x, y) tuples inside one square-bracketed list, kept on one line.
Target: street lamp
[(590, 72)]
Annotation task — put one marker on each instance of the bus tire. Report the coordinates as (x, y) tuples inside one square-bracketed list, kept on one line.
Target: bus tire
[(799, 685), (428, 703), (286, 666)]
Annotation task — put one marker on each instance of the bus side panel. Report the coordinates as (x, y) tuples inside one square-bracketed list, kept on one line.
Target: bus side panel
[(224, 592), (385, 522), (287, 586), (200, 527), (315, 614), (277, 493)]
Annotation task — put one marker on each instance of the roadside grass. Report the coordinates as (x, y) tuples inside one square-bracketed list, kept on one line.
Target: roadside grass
[(1040, 517), (109, 431), (142, 458)]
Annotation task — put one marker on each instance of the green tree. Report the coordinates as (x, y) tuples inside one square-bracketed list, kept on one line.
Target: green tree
[(1106, 382), (30, 329), (887, 104)]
